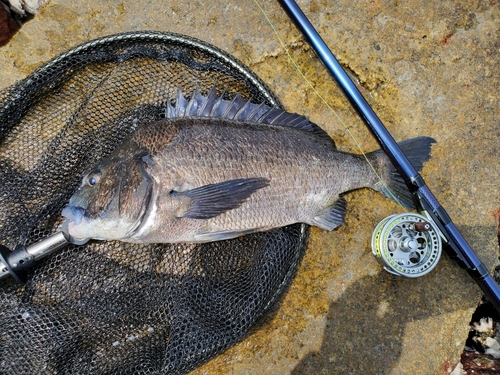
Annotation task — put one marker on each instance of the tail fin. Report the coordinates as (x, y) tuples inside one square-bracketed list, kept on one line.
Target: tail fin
[(392, 185)]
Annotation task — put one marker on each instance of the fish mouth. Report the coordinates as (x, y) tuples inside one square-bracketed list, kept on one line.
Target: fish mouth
[(69, 237), (74, 214)]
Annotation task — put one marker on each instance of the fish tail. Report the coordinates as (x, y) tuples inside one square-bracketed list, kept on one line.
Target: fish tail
[(390, 182)]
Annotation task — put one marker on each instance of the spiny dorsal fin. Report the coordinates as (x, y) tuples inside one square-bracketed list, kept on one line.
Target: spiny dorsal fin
[(239, 109)]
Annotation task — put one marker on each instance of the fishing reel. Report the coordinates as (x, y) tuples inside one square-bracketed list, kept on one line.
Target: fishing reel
[(407, 244)]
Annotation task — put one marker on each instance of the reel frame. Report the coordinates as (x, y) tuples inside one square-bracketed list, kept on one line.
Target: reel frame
[(407, 244)]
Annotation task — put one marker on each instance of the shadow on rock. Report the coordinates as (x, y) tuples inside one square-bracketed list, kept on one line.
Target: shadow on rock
[(367, 326)]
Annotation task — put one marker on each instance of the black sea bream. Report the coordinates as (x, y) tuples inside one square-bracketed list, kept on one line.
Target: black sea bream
[(216, 169)]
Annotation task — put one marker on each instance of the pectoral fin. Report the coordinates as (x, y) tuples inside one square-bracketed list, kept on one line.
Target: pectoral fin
[(211, 200), (333, 216)]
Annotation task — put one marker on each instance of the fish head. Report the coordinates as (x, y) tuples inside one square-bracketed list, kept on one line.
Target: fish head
[(111, 200)]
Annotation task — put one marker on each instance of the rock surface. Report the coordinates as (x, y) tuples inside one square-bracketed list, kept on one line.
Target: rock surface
[(428, 68)]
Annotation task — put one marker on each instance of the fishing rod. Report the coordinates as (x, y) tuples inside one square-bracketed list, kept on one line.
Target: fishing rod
[(457, 247)]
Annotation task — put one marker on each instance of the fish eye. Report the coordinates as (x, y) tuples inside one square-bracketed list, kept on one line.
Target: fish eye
[(93, 177)]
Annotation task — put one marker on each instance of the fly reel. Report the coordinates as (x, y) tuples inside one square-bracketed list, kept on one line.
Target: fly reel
[(406, 245)]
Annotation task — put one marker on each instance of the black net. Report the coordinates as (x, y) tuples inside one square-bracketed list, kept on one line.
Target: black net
[(113, 307)]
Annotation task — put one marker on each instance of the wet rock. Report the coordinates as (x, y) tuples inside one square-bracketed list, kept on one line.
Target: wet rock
[(8, 25)]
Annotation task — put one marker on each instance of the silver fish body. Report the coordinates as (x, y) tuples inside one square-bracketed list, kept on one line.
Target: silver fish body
[(208, 178)]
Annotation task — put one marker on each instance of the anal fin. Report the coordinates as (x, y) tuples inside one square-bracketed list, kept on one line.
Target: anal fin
[(333, 216)]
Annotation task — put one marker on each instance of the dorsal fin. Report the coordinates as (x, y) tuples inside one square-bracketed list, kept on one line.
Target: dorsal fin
[(239, 109)]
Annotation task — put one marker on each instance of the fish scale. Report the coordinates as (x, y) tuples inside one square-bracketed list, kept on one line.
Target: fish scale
[(205, 167)]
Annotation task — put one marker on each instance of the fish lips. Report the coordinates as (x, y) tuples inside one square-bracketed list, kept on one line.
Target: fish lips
[(74, 214)]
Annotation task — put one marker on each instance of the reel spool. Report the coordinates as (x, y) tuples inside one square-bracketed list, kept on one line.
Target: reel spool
[(406, 245)]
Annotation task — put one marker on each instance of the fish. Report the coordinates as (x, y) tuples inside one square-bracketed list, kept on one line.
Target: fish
[(215, 169)]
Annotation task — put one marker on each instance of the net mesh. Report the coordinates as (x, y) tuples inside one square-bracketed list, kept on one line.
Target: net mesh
[(112, 307)]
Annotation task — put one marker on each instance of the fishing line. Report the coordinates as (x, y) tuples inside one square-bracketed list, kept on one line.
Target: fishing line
[(407, 244), (318, 94)]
